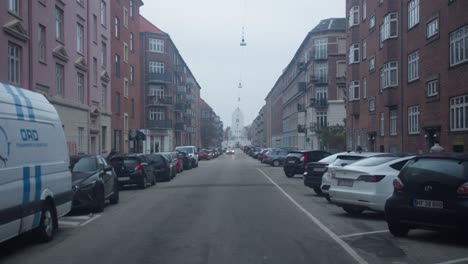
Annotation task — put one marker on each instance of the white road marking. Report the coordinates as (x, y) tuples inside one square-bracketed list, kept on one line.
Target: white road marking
[(337, 239), (91, 219), (76, 221), (364, 233), (454, 261), (68, 223), (77, 217)]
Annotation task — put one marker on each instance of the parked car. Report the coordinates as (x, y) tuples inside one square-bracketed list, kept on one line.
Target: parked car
[(172, 159), (230, 152), (343, 160), (193, 153), (261, 153), (315, 170), (161, 166), (295, 161), (94, 181), (134, 169), (365, 184), (185, 160), (431, 192), (42, 165), (204, 155), (275, 157)]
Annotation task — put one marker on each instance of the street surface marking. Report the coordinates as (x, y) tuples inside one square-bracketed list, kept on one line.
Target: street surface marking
[(90, 220), (76, 221), (69, 223), (337, 239), (364, 233), (454, 261)]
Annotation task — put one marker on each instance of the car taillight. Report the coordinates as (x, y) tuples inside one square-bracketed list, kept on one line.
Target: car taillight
[(266, 157), (371, 178), (398, 185), (463, 190), (139, 167)]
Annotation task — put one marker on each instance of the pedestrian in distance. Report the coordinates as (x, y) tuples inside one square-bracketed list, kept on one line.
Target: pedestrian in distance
[(437, 148)]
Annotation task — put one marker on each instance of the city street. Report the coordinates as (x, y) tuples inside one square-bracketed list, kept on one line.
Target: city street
[(231, 210)]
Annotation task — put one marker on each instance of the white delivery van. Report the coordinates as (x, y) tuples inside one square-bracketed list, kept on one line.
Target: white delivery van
[(35, 181), (192, 152)]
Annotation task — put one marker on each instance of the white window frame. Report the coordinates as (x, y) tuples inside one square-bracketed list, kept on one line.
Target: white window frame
[(321, 72), (459, 46), (156, 115), (156, 45), (103, 13), (321, 94), (413, 120), (80, 87), (13, 6), (59, 79), (132, 6), (432, 28), (132, 74), (390, 22), (354, 16), (132, 42), (459, 113), (156, 67), (117, 27), (42, 43), (322, 121), (433, 88), (389, 74), (125, 52), (354, 53), (125, 17), (103, 54), (372, 22), (125, 87), (393, 122), (354, 93), (382, 124), (413, 66), (364, 49), (321, 48), (364, 88), (364, 10), (372, 104), (79, 38), (156, 90), (413, 13), (372, 63), (14, 63), (59, 19)]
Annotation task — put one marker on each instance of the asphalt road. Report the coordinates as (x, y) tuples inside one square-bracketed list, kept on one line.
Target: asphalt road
[(231, 210)]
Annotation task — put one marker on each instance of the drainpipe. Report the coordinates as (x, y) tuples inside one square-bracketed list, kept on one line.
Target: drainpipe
[(30, 25), (401, 80)]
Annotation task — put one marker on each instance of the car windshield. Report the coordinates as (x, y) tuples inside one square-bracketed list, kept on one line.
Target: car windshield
[(329, 159), (425, 167), (296, 154), (373, 161), (85, 165), (185, 149), (345, 160)]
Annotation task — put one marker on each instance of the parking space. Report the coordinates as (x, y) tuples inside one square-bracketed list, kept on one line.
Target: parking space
[(368, 234)]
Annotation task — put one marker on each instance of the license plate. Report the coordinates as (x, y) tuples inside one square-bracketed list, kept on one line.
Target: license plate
[(428, 204), (319, 169), (345, 182), (291, 162), (123, 178)]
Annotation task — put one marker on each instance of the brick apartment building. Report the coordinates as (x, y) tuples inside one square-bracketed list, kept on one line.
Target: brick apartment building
[(125, 77), (211, 127), (53, 48), (170, 93), (406, 75)]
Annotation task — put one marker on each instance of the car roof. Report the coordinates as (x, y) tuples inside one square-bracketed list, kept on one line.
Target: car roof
[(457, 156), (366, 154), (305, 151)]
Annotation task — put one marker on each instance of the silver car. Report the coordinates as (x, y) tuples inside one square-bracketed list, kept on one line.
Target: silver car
[(275, 157)]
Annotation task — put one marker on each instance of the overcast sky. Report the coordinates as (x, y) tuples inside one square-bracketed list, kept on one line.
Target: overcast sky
[(208, 32)]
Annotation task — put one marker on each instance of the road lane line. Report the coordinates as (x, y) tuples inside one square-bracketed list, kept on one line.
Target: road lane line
[(78, 217), (90, 220), (364, 233), (337, 239), (68, 223), (454, 261)]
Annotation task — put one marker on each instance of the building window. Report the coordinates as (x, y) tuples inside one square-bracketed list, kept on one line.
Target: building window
[(372, 64), (103, 54), (125, 52), (364, 9), (132, 74), (364, 49), (433, 88), (321, 95), (341, 45), (14, 66), (58, 24), (125, 17), (125, 123), (156, 45), (321, 48), (413, 119), (131, 42), (321, 72), (156, 90), (156, 115), (81, 88), (382, 124), (389, 74), (432, 28), (354, 91), (341, 69), (95, 71), (104, 97), (389, 28), (80, 140), (117, 27), (372, 105), (413, 66), (125, 87), (413, 13), (13, 6), (103, 13), (354, 16), (354, 53), (156, 67), (117, 66), (131, 8), (95, 29), (132, 113), (364, 88), (459, 46), (371, 23), (79, 38), (321, 120), (393, 122), (459, 113), (59, 71), (103, 138), (42, 43), (117, 140), (117, 103)]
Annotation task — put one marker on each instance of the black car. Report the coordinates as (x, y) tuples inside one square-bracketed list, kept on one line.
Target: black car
[(94, 181), (134, 169), (161, 167), (431, 192), (186, 159), (315, 170), (295, 161)]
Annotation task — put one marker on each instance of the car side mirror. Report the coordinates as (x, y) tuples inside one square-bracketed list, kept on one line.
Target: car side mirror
[(108, 169)]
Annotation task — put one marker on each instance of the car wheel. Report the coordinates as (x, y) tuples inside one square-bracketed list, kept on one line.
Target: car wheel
[(116, 196), (276, 163), (142, 184), (353, 210), (47, 225), (397, 229), (100, 201), (289, 174), (153, 180), (318, 191)]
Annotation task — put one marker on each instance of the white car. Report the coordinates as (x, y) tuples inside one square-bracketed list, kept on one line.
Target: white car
[(365, 184), (344, 160)]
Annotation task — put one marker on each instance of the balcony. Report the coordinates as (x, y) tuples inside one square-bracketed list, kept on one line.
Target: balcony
[(180, 107), (156, 77), (190, 129), (301, 108), (180, 69), (159, 124), (301, 87), (180, 127), (319, 79), (181, 89), (189, 98), (159, 101), (319, 102), (390, 97), (355, 108), (189, 113), (341, 80)]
